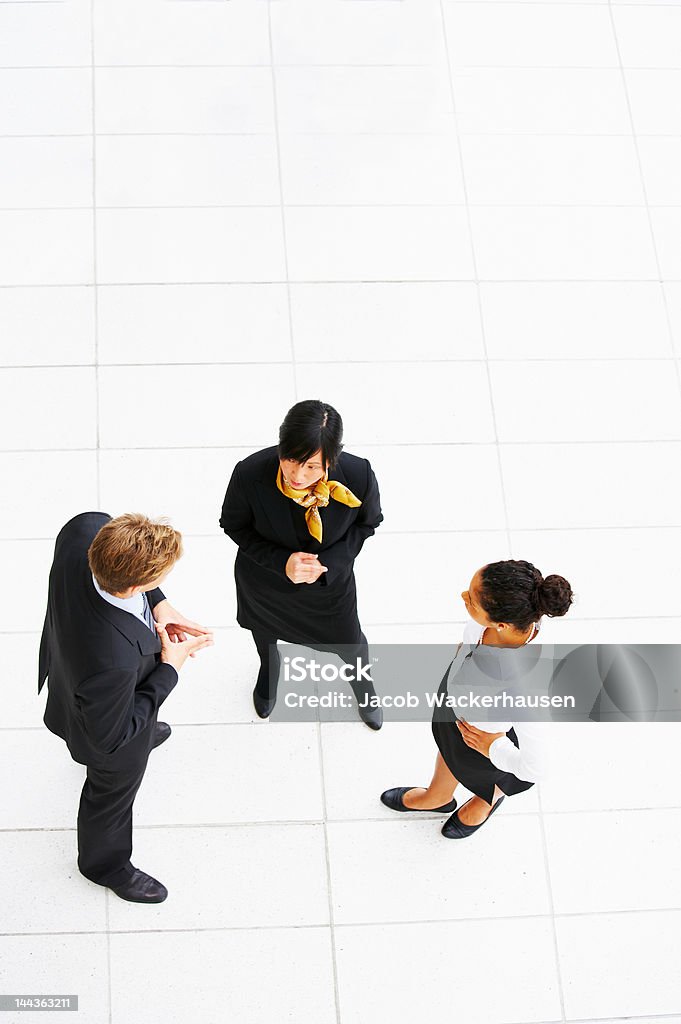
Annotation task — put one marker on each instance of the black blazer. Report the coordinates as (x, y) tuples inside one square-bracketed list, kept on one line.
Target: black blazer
[(260, 519), (106, 680), (269, 527)]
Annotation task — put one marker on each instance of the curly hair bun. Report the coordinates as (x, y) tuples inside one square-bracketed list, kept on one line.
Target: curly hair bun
[(554, 596)]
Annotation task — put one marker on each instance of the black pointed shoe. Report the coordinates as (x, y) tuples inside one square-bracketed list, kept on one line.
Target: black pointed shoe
[(455, 829), (162, 733), (392, 798), (263, 707), (373, 717), (141, 888)]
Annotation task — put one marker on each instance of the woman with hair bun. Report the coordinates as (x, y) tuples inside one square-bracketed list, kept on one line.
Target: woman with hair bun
[(506, 601)]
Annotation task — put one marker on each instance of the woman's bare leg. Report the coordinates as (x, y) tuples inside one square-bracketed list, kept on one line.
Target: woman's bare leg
[(439, 792), (475, 810)]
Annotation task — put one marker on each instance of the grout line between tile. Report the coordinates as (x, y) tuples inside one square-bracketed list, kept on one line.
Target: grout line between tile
[(471, 242), (354, 924), (95, 295), (651, 228), (549, 889), (282, 210)]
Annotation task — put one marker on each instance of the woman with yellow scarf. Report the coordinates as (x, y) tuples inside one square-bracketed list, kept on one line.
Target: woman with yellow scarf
[(300, 512)]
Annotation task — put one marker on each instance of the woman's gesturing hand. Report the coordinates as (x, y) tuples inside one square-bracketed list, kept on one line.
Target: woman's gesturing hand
[(477, 738), (303, 567)]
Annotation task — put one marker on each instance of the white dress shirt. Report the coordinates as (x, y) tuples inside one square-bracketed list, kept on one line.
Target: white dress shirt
[(137, 605), (529, 761)]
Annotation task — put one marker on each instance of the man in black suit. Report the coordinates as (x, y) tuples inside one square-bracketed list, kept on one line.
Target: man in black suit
[(112, 647)]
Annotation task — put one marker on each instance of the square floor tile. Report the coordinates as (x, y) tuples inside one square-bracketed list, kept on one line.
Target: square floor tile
[(360, 243), (337, 32), (653, 95), (226, 968), (575, 243), (193, 323), (46, 172), (450, 465), (45, 101), (187, 170), (386, 320), (34, 317), (363, 99), (547, 101), (24, 598), (611, 571), (666, 225), (415, 860), (190, 245), (23, 707), (661, 162), (48, 408), (257, 877), (672, 293), (46, 791), (48, 859), (633, 948), (46, 247), (211, 405), (370, 169), (58, 965), (381, 970), (37, 35), (632, 400), (574, 319), (181, 33), (197, 777), (530, 35), (184, 99), (543, 169), (602, 485), (70, 478), (646, 35), (594, 780), (613, 879)]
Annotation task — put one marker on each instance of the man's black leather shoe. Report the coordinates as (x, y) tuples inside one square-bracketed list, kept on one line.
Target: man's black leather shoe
[(141, 888), (263, 707), (162, 733)]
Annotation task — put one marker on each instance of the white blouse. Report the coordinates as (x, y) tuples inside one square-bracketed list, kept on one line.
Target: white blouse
[(529, 761)]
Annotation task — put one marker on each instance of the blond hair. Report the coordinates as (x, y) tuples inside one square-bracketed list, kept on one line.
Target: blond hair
[(132, 550)]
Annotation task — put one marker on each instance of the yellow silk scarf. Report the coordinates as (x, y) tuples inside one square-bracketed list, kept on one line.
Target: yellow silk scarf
[(317, 497)]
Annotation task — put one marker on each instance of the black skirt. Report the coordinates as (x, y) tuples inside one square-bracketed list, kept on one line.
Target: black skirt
[(472, 769)]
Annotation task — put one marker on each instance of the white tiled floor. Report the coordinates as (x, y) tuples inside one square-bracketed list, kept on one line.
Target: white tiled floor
[(459, 222)]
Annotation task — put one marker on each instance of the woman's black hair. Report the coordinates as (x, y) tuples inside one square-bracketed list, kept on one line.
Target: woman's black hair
[(309, 427), (515, 591)]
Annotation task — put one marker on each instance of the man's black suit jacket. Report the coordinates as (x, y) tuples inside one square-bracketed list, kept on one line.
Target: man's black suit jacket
[(105, 678)]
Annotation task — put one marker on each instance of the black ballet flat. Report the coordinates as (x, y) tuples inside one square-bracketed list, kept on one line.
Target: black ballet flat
[(392, 798), (455, 829)]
